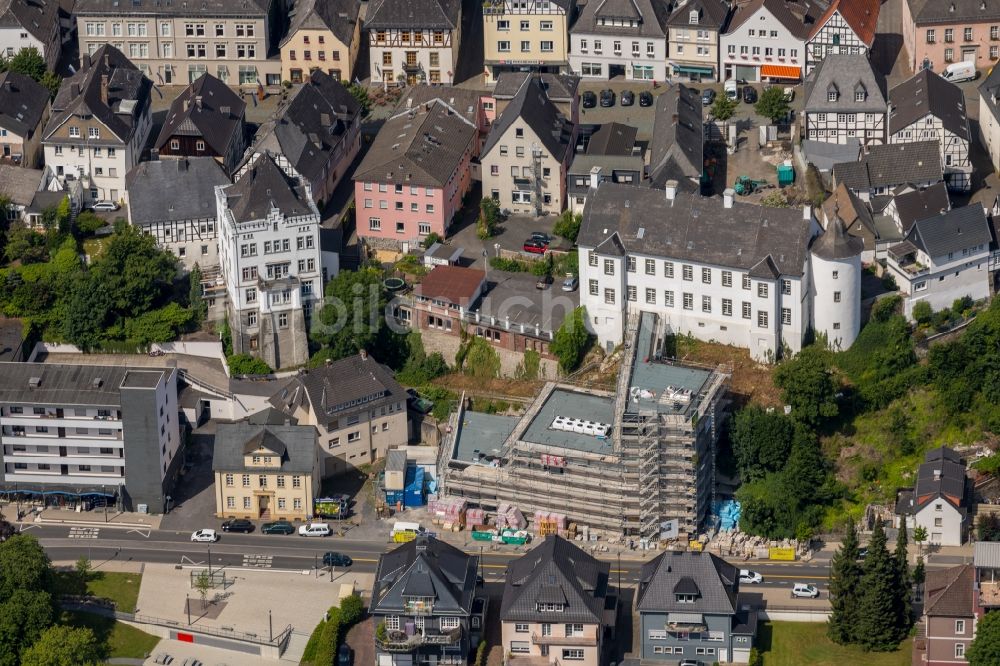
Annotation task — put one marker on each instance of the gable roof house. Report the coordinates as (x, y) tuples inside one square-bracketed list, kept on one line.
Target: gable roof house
[(557, 584), (205, 120), (26, 24), (845, 102), (948, 623), (938, 501), (24, 110), (532, 138), (676, 150), (856, 216), (688, 604), (425, 604), (414, 41), (886, 167), (704, 20), (314, 135), (99, 126), (846, 27), (927, 107), (639, 26), (561, 89), (612, 154), (781, 58), (324, 34)]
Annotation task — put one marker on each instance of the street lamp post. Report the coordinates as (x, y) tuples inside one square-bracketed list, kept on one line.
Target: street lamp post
[(270, 627), (187, 604)]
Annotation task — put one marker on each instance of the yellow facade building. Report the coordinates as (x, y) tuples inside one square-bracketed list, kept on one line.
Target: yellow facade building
[(324, 35), (526, 36)]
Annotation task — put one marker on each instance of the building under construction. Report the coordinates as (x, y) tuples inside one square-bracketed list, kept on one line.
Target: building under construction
[(639, 461)]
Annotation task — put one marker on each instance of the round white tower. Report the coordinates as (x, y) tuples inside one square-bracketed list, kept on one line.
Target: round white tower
[(836, 277)]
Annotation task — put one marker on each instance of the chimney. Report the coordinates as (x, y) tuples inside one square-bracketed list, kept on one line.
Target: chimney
[(107, 59), (104, 88), (807, 212), (727, 197), (74, 90), (85, 61), (154, 155), (671, 189), (595, 177), (197, 102), (364, 354)]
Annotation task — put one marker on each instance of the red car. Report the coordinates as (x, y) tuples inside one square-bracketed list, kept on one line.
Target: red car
[(535, 246)]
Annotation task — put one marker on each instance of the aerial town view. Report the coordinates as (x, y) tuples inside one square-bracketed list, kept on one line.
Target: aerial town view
[(499, 332)]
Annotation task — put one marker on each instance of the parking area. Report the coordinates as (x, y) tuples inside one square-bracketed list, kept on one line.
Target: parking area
[(514, 230)]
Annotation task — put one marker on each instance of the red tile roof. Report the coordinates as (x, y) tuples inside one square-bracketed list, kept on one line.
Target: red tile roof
[(453, 284), (861, 15)]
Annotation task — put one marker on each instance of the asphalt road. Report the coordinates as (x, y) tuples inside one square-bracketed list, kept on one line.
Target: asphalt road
[(67, 543)]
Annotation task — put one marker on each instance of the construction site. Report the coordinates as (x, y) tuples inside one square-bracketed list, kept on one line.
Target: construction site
[(638, 463)]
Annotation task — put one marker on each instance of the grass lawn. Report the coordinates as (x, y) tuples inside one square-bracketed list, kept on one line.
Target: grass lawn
[(93, 247), (121, 588), (796, 643), (119, 640)]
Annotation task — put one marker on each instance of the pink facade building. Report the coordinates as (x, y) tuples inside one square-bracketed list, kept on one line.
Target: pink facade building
[(940, 32), (413, 179)]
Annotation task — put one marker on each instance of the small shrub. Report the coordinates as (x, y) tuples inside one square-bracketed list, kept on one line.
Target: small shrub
[(755, 658), (351, 610), (481, 654), (922, 312), (509, 265), (244, 364), (431, 238)]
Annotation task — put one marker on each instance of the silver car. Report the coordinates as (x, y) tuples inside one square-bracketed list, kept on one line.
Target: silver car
[(570, 284)]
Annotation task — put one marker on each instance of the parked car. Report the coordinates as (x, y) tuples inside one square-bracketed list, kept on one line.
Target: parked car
[(628, 98), (541, 236), (332, 559), (805, 590), (237, 525), (707, 97), (205, 535), (543, 282), (690, 662), (589, 100), (960, 71), (314, 530), (607, 97), (752, 577), (645, 98), (535, 247), (105, 206), (749, 95), (344, 655), (570, 284), (277, 527)]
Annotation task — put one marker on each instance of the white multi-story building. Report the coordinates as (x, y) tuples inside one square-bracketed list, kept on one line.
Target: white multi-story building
[(31, 24), (735, 273), (847, 27), (413, 41), (928, 108), (845, 102), (90, 432), (99, 126), (612, 38), (766, 41), (269, 252)]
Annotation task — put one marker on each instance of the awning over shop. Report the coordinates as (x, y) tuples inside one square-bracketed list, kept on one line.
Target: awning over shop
[(780, 71)]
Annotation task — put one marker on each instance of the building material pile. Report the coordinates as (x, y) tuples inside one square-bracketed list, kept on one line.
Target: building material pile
[(509, 515)]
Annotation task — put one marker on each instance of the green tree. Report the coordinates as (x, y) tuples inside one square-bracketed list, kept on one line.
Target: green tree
[(904, 586), (845, 589), (761, 441), (766, 510), (86, 314), (420, 367), (772, 104), (26, 245), (489, 218), (805, 473), (352, 609), (162, 325), (922, 312), (23, 566), (202, 584), (568, 225), (807, 385), (360, 94), (723, 108), (244, 364), (988, 527), (478, 358), (23, 618), (63, 646), (571, 341), (27, 61), (135, 273), (919, 536), (83, 572), (877, 628), (87, 222), (352, 317), (196, 303), (430, 239), (919, 574), (985, 648)]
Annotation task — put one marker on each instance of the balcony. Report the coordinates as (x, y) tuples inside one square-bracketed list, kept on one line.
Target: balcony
[(989, 594), (581, 641), (389, 640), (418, 607)]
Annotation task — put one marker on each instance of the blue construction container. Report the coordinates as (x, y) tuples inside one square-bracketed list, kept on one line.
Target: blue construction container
[(392, 497), (415, 493)]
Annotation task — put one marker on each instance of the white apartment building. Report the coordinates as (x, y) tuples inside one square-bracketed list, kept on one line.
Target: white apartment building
[(617, 38), (31, 24), (174, 42), (845, 102), (269, 252), (928, 108), (413, 41), (99, 126), (90, 432), (847, 27), (720, 270), (766, 41)]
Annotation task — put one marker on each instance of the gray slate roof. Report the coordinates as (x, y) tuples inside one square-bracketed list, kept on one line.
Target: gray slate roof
[(19, 184), (835, 243), (68, 384), (466, 102), (216, 118), (716, 581), (678, 143), (556, 567), (255, 8), (294, 445), (799, 18), (612, 139), (341, 388), (926, 92), (927, 12), (262, 187), (845, 74), (22, 103), (891, 165), (712, 14), (413, 14), (652, 16), (695, 228), (153, 189), (126, 83), (558, 87), (425, 567), (921, 204), (540, 114), (953, 231), (310, 126), (35, 16), (420, 147), (338, 16)]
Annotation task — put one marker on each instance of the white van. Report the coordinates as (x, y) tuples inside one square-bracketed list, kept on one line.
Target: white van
[(403, 532), (314, 530), (960, 71), (732, 92)]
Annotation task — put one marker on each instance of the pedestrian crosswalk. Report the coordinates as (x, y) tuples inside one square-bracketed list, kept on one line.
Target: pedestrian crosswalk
[(84, 532)]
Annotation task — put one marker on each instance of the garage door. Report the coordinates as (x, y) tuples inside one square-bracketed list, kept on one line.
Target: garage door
[(741, 656)]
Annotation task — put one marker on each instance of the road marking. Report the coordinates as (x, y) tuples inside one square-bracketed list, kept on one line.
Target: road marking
[(83, 532), (143, 533), (258, 561)]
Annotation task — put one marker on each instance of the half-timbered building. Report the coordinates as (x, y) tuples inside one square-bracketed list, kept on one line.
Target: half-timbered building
[(528, 35), (847, 26), (414, 41), (845, 102)]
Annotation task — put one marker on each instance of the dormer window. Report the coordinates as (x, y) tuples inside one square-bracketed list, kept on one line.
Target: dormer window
[(693, 17), (860, 93), (685, 598), (832, 94), (550, 608)]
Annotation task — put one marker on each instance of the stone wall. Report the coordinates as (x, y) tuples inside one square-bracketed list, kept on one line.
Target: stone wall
[(447, 345)]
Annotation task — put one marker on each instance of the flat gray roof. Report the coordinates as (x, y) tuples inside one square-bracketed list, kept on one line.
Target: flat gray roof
[(574, 405), (483, 432), (654, 376), (142, 378)]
